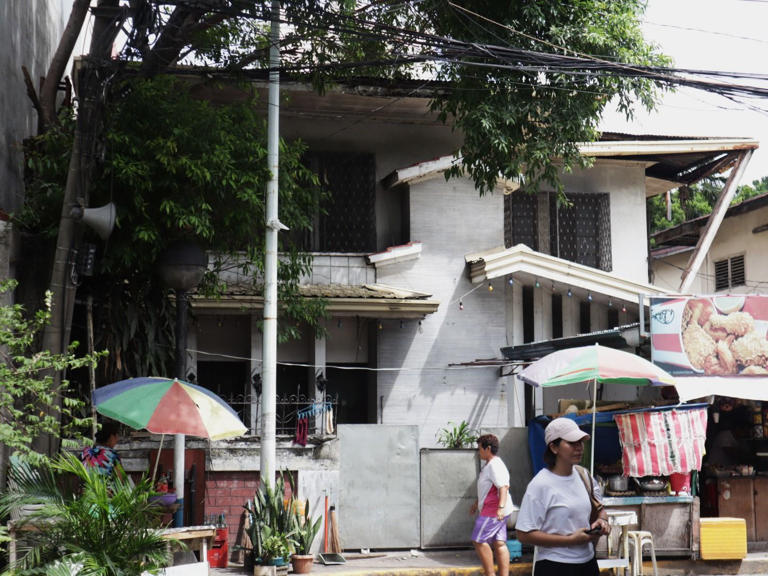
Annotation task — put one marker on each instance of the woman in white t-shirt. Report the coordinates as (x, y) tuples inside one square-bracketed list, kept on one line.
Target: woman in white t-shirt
[(493, 505), (554, 514)]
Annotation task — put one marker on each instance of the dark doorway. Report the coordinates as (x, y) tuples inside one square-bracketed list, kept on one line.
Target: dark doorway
[(352, 389), (231, 381)]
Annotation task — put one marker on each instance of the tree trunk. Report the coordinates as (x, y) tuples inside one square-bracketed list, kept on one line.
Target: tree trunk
[(59, 63), (91, 82)]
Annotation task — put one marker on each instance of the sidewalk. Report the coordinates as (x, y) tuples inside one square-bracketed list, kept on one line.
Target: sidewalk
[(463, 562)]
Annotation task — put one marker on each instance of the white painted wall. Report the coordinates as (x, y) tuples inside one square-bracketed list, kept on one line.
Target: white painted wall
[(450, 219), (625, 182)]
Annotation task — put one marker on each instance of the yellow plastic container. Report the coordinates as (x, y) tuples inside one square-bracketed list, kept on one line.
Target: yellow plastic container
[(723, 538)]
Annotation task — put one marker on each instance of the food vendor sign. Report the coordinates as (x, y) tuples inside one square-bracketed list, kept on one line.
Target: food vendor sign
[(711, 336)]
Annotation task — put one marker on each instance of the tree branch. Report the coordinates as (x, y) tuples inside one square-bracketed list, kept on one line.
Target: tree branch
[(47, 106)]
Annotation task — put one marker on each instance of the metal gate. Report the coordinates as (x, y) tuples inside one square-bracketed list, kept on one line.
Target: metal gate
[(378, 506), (448, 489)]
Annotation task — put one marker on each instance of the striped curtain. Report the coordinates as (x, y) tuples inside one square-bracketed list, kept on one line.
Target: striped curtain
[(660, 443)]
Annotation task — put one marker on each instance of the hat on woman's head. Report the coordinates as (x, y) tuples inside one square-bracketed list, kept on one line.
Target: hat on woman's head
[(564, 428)]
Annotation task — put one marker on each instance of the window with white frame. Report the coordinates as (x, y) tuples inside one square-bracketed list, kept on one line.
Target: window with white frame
[(729, 273)]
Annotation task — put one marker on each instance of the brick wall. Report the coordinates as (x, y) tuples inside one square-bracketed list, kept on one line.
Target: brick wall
[(226, 493)]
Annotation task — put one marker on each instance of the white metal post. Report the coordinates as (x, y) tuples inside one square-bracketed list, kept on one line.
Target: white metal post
[(269, 344)]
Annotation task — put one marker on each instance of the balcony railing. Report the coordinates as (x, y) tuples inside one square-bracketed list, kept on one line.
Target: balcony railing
[(319, 416)]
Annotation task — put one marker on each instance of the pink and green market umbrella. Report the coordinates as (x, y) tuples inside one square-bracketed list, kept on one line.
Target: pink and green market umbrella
[(596, 365), (168, 406)]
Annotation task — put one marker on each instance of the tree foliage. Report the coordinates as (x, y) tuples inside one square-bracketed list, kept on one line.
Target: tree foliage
[(27, 383), (697, 200), (92, 523), (516, 115)]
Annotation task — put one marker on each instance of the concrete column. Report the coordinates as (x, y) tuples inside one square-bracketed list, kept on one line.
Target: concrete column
[(319, 370)]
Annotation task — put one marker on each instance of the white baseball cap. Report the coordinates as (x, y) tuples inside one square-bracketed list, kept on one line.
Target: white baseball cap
[(564, 428)]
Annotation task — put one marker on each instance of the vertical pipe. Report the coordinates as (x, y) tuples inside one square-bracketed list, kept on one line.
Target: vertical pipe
[(594, 416), (178, 440), (269, 344)]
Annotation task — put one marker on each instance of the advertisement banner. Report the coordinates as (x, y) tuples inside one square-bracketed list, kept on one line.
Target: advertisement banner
[(710, 335)]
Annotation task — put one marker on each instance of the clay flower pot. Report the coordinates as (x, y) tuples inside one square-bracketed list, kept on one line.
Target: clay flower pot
[(302, 563)]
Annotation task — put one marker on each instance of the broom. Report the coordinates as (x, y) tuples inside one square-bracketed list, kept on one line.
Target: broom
[(335, 544)]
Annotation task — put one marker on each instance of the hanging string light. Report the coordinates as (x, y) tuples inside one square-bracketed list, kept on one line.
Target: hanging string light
[(421, 328), (538, 284), (570, 293), (589, 296), (381, 326), (624, 308), (610, 303), (511, 281), (490, 287), (461, 305)]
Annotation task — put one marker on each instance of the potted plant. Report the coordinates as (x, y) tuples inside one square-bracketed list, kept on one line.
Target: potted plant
[(270, 525), (305, 532), (456, 435)]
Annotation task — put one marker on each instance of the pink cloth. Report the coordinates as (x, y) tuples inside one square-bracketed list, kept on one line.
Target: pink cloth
[(661, 443)]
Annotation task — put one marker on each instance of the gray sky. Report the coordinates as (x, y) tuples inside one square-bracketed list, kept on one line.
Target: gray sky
[(728, 35)]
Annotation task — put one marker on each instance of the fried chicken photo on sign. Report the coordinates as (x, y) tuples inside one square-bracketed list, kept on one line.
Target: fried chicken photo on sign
[(735, 324), (751, 349), (698, 345)]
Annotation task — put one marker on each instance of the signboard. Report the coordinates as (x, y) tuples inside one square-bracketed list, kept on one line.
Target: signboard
[(711, 335)]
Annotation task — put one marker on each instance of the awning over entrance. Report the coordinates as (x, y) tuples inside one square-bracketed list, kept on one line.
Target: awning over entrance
[(619, 337), (530, 266), (366, 301)]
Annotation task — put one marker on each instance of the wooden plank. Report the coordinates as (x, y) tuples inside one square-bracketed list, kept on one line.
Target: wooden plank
[(761, 508), (735, 499)]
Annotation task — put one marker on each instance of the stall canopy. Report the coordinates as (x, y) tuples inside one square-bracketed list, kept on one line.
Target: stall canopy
[(610, 447)]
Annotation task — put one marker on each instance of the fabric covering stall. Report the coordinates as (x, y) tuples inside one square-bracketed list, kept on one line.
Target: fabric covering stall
[(662, 442)]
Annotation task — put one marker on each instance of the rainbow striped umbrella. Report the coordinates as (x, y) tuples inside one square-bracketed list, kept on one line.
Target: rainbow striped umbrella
[(593, 365), (168, 406)]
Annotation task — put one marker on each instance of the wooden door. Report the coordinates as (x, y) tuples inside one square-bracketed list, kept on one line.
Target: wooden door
[(735, 499), (761, 508)]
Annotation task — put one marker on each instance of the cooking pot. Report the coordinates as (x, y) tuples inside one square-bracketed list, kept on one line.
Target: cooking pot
[(618, 483), (653, 483)]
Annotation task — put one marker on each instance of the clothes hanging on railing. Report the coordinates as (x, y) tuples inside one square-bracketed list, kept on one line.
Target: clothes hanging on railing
[(314, 408), (302, 431), (303, 416)]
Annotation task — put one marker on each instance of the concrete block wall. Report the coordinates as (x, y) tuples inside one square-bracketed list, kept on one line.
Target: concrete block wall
[(450, 219)]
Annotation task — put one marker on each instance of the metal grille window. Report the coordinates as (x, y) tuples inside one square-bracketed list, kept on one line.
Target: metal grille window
[(730, 273), (582, 232), (521, 220), (347, 220)]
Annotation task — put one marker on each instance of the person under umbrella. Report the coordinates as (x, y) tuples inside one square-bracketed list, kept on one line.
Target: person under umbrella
[(555, 512), (102, 455)]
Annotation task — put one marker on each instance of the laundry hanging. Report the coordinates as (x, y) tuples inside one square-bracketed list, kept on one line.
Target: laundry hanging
[(660, 443), (302, 431), (303, 416)]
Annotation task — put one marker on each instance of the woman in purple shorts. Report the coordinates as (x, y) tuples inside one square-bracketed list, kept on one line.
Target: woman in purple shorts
[(493, 506)]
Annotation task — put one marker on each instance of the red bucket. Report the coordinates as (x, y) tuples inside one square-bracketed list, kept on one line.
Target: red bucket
[(680, 483)]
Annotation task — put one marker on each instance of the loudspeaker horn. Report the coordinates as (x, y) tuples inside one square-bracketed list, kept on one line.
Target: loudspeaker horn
[(101, 220)]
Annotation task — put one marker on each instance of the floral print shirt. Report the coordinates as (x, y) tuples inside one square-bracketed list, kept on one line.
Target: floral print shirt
[(103, 458)]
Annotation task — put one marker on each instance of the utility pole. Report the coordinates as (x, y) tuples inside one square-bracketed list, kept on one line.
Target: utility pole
[(269, 341)]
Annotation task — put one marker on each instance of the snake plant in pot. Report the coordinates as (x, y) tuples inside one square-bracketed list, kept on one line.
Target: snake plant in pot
[(270, 525), (305, 531)]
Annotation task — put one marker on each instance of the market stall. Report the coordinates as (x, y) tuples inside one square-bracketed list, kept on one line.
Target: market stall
[(716, 347), (634, 473)]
